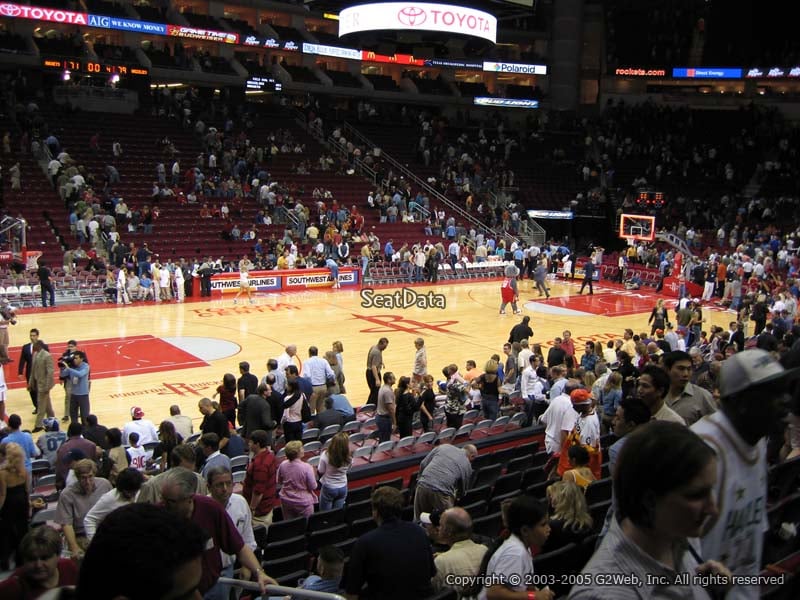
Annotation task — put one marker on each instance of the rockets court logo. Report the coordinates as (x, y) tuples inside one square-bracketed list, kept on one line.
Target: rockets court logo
[(402, 298)]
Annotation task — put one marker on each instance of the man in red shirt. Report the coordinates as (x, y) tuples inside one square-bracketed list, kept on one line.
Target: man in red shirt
[(567, 345), (177, 494), (259, 482)]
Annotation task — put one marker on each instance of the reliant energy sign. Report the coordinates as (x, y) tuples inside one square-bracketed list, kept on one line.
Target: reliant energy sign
[(420, 16)]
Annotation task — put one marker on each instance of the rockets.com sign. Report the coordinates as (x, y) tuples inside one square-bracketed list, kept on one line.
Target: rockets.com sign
[(418, 17), (54, 15)]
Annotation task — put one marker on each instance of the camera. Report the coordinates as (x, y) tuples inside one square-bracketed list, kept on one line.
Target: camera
[(8, 313)]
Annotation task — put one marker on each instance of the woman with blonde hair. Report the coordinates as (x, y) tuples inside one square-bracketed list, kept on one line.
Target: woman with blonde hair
[(570, 521), (334, 463), (338, 374), (589, 379), (13, 502), (489, 385), (298, 482)]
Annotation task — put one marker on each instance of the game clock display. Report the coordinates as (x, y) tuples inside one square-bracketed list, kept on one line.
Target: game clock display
[(91, 67)]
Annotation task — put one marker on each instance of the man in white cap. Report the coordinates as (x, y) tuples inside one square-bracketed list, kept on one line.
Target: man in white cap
[(144, 427), (754, 389)]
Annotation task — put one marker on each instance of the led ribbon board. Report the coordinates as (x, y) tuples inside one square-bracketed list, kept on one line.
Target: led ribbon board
[(418, 16)]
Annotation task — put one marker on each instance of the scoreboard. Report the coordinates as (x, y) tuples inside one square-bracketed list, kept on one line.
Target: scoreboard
[(92, 67)]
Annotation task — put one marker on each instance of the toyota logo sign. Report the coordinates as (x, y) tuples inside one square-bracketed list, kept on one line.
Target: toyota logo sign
[(420, 16), (10, 10), (413, 16)]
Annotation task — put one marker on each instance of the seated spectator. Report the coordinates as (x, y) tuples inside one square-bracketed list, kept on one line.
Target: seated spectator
[(579, 471), (664, 484), (529, 525), (42, 567), (329, 568), (570, 521), (50, 441), (129, 483), (76, 501), (464, 557)]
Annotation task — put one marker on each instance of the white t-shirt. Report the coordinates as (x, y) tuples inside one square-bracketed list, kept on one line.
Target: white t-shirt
[(736, 537), (144, 427), (554, 418), (511, 558)]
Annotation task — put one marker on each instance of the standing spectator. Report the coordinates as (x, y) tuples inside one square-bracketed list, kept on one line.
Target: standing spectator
[(76, 501), (75, 441), (246, 385), (260, 479), (511, 563), (386, 413), (26, 360), (220, 486), (661, 461), (79, 376), (753, 390), (227, 397), (41, 381), (23, 438), (144, 427), (394, 561), (521, 331), (178, 493), (44, 274), (445, 475), (690, 401), (374, 366), (334, 463), (298, 482), (420, 368), (14, 509), (292, 418), (588, 277), (168, 439), (255, 413), (317, 370), (214, 421)]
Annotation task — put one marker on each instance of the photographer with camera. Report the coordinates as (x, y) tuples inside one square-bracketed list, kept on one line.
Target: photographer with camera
[(76, 372)]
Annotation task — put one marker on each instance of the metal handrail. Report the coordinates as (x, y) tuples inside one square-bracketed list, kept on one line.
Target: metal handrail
[(280, 590), (351, 132)]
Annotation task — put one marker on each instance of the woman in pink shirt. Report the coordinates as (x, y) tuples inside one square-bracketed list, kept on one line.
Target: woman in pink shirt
[(298, 482)]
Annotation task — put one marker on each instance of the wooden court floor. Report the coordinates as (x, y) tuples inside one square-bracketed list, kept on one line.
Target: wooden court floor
[(153, 356)]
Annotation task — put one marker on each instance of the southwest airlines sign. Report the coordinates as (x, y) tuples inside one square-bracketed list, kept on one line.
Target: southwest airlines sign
[(418, 17)]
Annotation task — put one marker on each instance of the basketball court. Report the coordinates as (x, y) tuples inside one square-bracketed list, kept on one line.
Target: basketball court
[(154, 355)]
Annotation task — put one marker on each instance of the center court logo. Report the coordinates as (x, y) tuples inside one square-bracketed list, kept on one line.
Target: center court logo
[(412, 16), (403, 298)]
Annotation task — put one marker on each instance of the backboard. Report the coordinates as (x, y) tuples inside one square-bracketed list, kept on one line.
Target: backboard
[(637, 227)]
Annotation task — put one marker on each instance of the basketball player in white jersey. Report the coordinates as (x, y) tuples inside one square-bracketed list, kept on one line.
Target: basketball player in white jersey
[(755, 390), (244, 279)]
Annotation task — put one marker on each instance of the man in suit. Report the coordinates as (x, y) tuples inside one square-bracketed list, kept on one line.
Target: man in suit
[(25, 361), (255, 413), (41, 382)]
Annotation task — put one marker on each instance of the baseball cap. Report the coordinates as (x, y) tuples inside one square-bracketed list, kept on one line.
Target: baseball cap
[(73, 455), (137, 413), (50, 424), (431, 518), (581, 396), (659, 332), (751, 368)]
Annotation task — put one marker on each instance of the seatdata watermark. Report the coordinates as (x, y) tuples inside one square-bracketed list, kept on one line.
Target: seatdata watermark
[(402, 298)]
